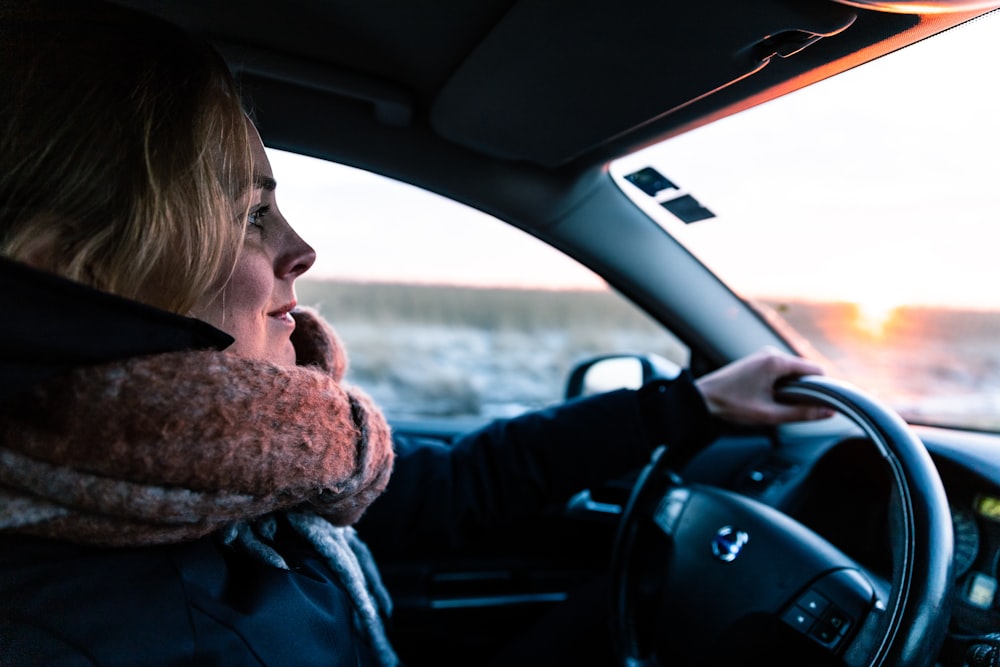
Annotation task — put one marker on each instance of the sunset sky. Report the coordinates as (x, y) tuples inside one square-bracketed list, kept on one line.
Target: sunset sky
[(878, 186), (779, 178)]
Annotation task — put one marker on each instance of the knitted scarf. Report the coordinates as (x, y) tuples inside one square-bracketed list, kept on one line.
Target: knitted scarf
[(171, 447)]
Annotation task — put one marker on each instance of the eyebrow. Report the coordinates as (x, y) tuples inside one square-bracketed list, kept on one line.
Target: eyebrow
[(264, 182)]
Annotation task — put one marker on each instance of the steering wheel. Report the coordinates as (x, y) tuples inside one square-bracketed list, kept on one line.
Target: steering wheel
[(704, 576)]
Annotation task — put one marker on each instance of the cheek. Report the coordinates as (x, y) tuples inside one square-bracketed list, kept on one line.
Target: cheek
[(249, 289), (239, 308)]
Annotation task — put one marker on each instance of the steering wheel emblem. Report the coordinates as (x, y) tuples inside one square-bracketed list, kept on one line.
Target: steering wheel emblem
[(728, 542)]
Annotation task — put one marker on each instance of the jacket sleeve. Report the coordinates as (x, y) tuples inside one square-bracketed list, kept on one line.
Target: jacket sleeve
[(24, 644), (443, 494)]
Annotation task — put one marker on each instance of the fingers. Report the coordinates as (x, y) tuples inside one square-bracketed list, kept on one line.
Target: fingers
[(778, 413), (799, 366), (743, 391), (779, 364)]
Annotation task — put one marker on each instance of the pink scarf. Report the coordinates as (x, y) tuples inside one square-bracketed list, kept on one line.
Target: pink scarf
[(174, 446)]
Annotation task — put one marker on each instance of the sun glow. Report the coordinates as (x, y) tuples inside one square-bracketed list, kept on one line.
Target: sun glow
[(873, 317)]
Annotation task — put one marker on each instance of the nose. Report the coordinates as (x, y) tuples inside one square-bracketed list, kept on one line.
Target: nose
[(296, 257)]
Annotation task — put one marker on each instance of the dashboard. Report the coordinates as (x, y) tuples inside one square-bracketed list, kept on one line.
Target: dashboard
[(841, 488)]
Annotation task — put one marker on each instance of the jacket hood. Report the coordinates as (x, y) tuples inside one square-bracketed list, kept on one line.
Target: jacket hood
[(52, 324)]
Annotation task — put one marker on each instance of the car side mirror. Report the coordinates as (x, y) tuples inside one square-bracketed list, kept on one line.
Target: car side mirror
[(618, 371)]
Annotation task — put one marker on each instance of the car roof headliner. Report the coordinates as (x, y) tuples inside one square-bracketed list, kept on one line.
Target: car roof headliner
[(532, 95)]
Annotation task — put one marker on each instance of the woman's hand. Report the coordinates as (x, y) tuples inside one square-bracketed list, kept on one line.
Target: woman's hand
[(743, 391)]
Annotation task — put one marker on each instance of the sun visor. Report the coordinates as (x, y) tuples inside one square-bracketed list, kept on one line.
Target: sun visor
[(528, 90)]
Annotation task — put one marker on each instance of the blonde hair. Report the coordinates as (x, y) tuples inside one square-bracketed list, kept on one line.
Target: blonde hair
[(124, 151)]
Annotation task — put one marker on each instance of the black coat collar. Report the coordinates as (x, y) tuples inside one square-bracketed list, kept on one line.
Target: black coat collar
[(51, 324)]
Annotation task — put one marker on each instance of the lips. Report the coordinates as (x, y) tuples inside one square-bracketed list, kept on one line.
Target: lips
[(284, 313)]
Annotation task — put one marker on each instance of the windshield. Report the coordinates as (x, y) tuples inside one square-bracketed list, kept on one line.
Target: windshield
[(862, 212)]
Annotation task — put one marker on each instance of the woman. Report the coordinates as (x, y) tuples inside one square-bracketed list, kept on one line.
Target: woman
[(180, 463)]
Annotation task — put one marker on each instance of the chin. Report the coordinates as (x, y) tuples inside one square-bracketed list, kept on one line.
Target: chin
[(285, 356)]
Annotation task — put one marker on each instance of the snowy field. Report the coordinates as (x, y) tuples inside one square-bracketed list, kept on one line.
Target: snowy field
[(454, 352)]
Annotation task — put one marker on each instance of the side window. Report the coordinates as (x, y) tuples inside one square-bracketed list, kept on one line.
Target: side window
[(445, 311)]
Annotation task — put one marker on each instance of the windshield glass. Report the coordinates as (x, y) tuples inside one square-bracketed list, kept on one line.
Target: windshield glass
[(861, 211)]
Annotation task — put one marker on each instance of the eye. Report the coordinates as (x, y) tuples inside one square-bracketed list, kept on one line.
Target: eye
[(256, 216)]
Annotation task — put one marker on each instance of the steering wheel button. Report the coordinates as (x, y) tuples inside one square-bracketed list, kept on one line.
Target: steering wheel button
[(668, 511), (813, 602), (798, 619), (837, 620), (826, 634)]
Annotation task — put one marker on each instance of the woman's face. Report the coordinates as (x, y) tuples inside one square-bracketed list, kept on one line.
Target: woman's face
[(254, 306)]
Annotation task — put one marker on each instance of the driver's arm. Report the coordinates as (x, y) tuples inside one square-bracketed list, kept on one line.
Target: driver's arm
[(441, 494)]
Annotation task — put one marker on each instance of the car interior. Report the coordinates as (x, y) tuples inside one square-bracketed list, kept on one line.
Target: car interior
[(517, 108)]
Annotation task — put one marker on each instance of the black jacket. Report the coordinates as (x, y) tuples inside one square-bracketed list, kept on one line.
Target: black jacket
[(204, 603)]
